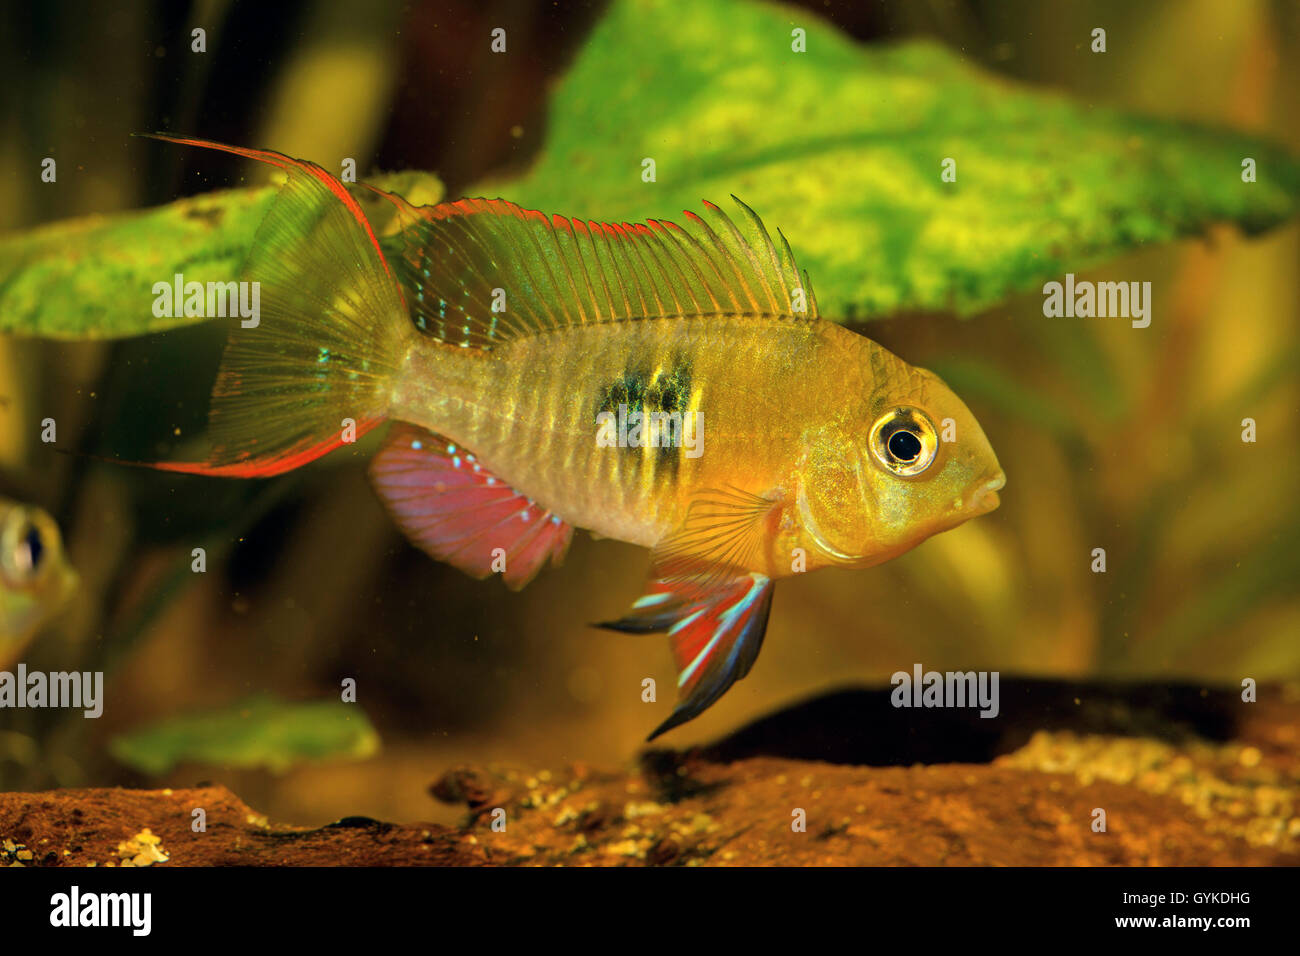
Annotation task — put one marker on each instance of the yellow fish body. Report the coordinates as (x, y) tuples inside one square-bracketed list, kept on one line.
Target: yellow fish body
[(784, 410), (669, 386)]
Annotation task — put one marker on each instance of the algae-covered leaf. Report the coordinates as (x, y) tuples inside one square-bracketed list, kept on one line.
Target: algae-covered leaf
[(93, 278), (259, 732), (842, 147)]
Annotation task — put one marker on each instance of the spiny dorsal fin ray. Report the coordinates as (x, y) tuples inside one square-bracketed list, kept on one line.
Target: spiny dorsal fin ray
[(482, 271)]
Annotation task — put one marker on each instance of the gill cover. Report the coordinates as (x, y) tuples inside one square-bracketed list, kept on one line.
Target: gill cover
[(834, 494)]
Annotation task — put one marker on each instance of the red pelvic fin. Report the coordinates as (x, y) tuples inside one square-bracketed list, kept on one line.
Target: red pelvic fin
[(455, 510), (715, 633)]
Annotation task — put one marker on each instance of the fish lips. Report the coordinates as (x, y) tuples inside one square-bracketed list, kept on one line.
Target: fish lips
[(983, 497)]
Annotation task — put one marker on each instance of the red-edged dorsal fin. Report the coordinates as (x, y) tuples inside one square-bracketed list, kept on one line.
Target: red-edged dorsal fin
[(482, 271), (455, 510)]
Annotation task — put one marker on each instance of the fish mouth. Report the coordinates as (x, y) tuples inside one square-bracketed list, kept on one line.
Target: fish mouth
[(984, 498)]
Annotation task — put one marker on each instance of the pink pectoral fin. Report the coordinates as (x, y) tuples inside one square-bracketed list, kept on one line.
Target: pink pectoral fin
[(453, 509)]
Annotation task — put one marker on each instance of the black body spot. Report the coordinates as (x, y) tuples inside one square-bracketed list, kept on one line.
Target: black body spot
[(640, 390)]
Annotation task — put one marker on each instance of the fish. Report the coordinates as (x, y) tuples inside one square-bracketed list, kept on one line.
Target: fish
[(672, 386), (36, 580)]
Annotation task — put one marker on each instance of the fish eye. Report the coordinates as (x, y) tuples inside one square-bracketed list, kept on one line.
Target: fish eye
[(903, 441), (31, 547), (904, 446), (24, 547)]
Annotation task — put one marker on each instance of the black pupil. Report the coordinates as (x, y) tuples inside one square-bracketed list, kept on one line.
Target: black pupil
[(35, 547), (904, 446)]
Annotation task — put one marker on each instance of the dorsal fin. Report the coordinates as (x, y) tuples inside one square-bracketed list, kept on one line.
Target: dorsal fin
[(554, 272)]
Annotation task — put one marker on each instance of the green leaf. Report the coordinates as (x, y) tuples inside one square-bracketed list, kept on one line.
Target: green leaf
[(259, 732), (93, 278), (841, 148)]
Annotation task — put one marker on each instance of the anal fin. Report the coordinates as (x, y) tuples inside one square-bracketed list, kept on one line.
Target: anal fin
[(455, 510)]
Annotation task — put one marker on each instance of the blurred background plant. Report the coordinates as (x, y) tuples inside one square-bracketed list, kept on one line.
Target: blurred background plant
[(1115, 438)]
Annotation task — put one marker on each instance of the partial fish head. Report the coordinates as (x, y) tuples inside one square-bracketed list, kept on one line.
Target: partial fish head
[(909, 462), (35, 578)]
